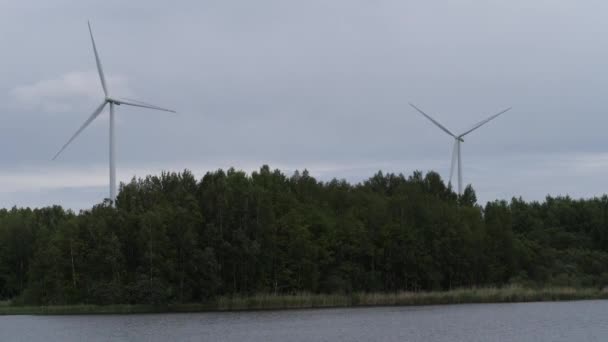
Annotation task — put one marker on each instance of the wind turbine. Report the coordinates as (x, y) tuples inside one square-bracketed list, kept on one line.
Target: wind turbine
[(456, 158), (112, 101)]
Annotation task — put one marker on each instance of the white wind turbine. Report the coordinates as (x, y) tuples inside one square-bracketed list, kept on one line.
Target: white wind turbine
[(458, 139), (112, 101)]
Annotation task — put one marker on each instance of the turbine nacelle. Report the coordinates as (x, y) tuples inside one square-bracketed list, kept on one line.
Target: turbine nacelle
[(111, 100)]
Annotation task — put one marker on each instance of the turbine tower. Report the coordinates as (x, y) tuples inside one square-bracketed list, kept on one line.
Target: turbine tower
[(111, 101), (456, 156)]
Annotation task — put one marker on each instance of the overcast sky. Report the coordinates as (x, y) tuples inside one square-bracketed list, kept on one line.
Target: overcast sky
[(314, 84)]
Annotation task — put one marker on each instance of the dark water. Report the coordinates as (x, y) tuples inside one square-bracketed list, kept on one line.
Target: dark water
[(564, 321)]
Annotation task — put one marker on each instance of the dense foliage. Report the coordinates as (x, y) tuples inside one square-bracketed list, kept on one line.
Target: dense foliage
[(172, 238)]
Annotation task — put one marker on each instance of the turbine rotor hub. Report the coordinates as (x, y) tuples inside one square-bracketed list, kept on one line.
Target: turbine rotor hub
[(111, 100)]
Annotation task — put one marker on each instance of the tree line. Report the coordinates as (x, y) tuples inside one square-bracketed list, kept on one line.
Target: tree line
[(175, 239)]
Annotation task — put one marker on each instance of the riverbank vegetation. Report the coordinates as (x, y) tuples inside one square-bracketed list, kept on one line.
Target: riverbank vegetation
[(507, 294), (173, 240)]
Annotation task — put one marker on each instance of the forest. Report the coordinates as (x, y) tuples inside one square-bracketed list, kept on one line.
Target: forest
[(173, 238)]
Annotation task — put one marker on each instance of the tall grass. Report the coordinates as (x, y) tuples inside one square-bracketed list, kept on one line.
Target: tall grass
[(508, 294), (270, 301)]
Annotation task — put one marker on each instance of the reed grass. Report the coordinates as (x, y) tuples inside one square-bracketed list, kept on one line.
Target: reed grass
[(507, 294)]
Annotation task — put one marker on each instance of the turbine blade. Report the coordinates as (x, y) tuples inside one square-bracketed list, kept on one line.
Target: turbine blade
[(433, 121), (454, 156), (84, 125), (98, 61), (137, 103), (484, 122)]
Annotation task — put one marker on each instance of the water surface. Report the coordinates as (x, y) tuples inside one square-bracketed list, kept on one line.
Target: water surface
[(539, 322)]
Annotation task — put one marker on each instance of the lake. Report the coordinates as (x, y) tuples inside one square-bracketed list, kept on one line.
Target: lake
[(549, 321)]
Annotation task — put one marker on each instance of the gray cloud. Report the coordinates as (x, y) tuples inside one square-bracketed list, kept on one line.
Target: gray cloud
[(317, 84), (61, 94)]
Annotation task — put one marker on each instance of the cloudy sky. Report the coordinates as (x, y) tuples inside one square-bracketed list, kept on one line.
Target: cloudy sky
[(314, 84)]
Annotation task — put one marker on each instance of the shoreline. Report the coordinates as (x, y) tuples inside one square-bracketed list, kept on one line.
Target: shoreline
[(509, 294)]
